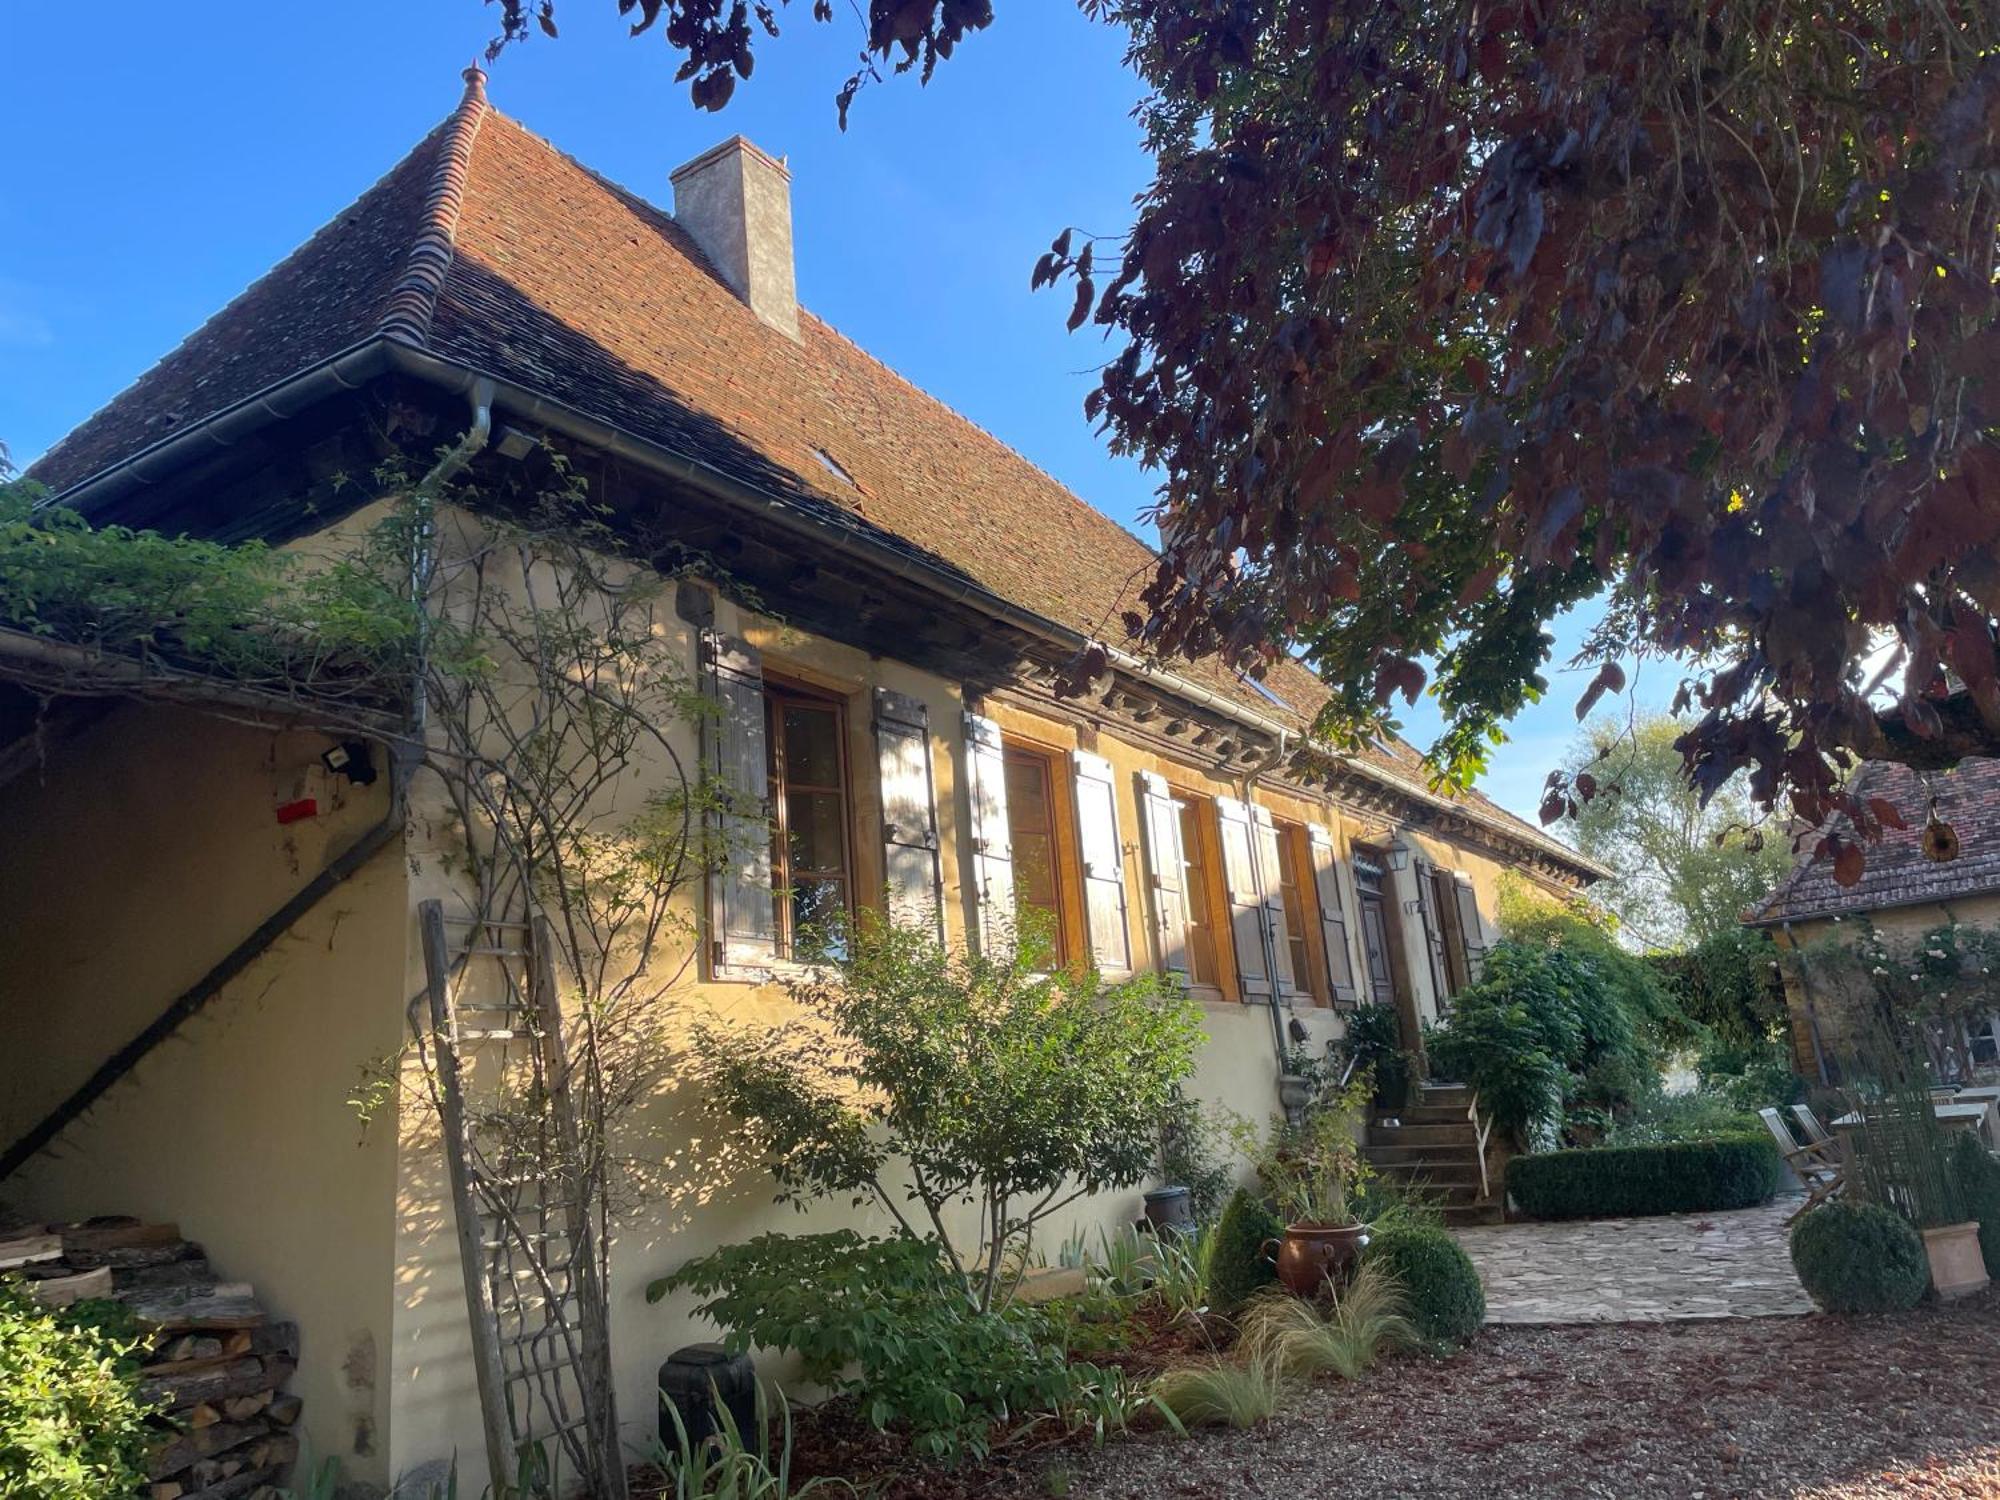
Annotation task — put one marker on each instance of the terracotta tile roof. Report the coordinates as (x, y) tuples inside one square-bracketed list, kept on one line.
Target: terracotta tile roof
[(491, 248), (1898, 873)]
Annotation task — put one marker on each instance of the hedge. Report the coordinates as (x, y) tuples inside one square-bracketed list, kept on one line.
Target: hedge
[(1678, 1177), (1237, 1269)]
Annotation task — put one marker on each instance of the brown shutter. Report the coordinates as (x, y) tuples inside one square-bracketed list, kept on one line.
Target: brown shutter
[(1102, 861), (1332, 913), (1246, 900), (1166, 872), (992, 847), (1270, 878), (743, 919), (1433, 933), (909, 812)]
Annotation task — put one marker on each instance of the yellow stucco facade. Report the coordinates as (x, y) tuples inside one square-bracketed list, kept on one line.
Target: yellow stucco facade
[(152, 848)]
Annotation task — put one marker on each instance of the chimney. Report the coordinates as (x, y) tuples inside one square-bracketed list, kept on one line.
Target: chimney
[(737, 203)]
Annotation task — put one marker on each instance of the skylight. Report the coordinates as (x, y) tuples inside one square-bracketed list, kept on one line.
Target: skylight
[(1265, 693), (833, 467)]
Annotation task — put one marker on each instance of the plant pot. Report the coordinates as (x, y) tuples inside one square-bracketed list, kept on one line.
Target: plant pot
[(1957, 1268), (1170, 1210), (1310, 1255)]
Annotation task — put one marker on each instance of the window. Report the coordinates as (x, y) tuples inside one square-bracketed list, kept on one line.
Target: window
[(1197, 819), (1031, 831), (810, 873), (1292, 889)]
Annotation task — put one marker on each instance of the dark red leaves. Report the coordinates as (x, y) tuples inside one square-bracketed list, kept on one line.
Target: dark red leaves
[(1610, 678)]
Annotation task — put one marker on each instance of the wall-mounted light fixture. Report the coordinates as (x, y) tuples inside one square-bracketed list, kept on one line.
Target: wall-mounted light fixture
[(352, 759), (1396, 857)]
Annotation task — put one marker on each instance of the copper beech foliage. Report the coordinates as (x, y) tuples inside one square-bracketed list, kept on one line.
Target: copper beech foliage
[(1442, 316)]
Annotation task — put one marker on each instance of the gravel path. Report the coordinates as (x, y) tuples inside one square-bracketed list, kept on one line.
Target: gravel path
[(1796, 1407)]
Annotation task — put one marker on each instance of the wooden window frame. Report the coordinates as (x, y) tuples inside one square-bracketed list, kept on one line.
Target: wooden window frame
[(1214, 894), (779, 691), (1062, 837), (1295, 862)]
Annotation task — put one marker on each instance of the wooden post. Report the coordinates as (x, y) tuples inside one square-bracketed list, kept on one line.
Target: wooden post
[(486, 1367)]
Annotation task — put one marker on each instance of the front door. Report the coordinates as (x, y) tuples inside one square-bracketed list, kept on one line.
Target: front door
[(1374, 932)]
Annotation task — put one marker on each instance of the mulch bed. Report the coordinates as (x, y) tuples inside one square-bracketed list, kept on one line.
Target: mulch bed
[(1906, 1405), (1807, 1408)]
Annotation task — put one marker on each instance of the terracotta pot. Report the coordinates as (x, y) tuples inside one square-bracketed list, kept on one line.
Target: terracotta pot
[(1957, 1268), (1310, 1255)]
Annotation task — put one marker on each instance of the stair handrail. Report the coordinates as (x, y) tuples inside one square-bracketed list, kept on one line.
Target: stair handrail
[(1482, 1131)]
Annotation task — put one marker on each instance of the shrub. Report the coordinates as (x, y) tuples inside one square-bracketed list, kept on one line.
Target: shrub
[(1375, 1042), (1735, 1171), (72, 1426), (1696, 1116), (1190, 1156), (970, 1075), (1752, 1075), (1237, 1267), (1496, 1046), (1442, 1296), (1979, 1180), (1858, 1258), (890, 1323)]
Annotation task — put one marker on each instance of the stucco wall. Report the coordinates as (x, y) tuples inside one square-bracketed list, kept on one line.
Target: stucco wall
[(701, 1192), (141, 855)]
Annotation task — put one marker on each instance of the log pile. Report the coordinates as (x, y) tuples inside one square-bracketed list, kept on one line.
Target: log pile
[(217, 1364)]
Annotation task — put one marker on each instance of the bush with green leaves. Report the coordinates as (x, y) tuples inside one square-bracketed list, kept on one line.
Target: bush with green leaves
[(1374, 1042), (1559, 1020), (1190, 1156), (890, 1322), (72, 1424), (1978, 1174), (1855, 1257), (1442, 1297), (942, 1077), (1751, 1074), (1677, 1177), (1237, 1266), (1695, 1116)]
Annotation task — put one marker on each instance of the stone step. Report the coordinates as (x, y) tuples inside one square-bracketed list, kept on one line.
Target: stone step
[(1436, 1173), (1461, 1134), (1444, 1093), (1424, 1114), (1384, 1156), (1456, 1217)]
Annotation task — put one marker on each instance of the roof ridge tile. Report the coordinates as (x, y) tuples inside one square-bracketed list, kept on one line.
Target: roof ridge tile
[(413, 300)]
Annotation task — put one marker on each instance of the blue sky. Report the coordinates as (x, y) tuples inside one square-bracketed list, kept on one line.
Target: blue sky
[(165, 177)]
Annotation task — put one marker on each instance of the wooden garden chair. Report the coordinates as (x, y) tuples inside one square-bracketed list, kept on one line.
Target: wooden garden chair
[(1816, 1133), (1818, 1165)]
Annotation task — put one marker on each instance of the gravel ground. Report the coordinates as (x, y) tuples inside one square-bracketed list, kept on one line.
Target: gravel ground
[(1816, 1407)]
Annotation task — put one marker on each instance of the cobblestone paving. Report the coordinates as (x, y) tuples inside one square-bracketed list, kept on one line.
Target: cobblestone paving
[(1722, 1265)]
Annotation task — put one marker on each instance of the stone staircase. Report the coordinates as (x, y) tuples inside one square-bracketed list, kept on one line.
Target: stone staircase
[(1433, 1145)]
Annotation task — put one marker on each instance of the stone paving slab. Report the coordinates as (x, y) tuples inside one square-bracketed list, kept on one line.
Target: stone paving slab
[(1721, 1265)]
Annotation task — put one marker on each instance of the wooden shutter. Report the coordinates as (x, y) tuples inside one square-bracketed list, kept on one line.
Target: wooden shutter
[(1332, 914), (1444, 895), (1102, 861), (909, 812), (1270, 877), (1166, 872), (1433, 932), (1246, 898), (992, 848), (743, 919), (1469, 926)]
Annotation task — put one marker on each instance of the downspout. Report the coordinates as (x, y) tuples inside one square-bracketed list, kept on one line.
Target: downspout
[(405, 755)]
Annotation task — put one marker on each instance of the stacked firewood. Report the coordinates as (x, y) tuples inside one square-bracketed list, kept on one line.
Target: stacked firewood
[(216, 1366)]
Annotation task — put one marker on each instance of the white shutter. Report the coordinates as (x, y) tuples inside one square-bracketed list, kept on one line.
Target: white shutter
[(1246, 898), (1103, 862), (1469, 925), (992, 849), (1332, 913), (743, 922), (1166, 872), (1269, 875), (909, 812)]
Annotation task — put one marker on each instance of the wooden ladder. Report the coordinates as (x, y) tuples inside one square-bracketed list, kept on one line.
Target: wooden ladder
[(529, 1213)]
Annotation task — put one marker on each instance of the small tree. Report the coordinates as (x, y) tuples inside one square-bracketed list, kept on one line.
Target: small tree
[(933, 1077)]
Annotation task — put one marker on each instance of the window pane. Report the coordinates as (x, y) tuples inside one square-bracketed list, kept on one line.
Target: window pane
[(1202, 965), (819, 909), (812, 746), (812, 822)]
